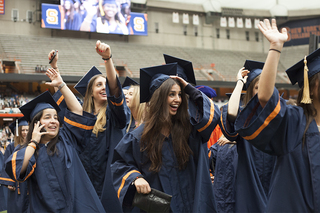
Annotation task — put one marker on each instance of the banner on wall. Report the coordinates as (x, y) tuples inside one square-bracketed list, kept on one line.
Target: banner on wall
[(231, 22), (223, 22), (2, 8), (54, 17), (300, 31)]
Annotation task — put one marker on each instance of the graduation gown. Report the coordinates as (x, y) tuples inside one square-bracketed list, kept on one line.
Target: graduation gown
[(97, 156), (225, 160), (59, 183), (18, 200), (254, 170), (191, 188), (278, 129)]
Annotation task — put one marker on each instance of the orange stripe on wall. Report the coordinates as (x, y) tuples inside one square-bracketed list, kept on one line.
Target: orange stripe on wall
[(7, 179), (77, 124), (60, 100), (124, 180), (117, 104), (266, 122), (210, 119)]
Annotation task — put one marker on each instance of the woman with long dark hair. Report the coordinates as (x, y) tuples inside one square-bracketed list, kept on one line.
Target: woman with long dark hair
[(168, 151), (17, 200), (287, 131), (48, 159)]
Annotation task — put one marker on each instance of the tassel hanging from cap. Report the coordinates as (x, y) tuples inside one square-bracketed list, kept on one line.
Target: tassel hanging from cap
[(17, 127), (306, 93), (101, 8)]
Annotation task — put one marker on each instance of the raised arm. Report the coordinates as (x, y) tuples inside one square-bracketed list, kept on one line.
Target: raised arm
[(104, 50), (71, 100), (269, 71), (234, 101)]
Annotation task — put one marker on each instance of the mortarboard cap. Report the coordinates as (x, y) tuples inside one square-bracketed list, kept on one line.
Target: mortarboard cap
[(295, 73), (128, 82), (255, 68), (41, 102), (184, 70), (19, 122), (82, 85), (151, 79), (208, 91)]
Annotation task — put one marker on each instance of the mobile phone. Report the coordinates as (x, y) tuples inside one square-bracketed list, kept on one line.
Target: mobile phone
[(54, 55), (43, 130)]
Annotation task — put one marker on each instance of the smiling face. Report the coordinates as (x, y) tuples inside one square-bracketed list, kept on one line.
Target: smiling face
[(174, 99), (129, 97), (110, 10), (50, 121), (99, 89)]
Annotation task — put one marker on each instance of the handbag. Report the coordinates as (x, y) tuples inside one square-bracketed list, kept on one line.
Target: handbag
[(155, 201)]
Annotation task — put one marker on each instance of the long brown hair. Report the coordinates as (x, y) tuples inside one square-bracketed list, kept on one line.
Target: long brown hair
[(88, 106), (249, 93), (309, 109), (51, 147), (18, 140), (157, 118)]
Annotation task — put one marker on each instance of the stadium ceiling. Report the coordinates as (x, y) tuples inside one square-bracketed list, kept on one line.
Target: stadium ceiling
[(246, 4)]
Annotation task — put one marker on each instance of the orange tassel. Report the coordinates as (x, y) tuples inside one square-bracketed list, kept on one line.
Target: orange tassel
[(306, 93)]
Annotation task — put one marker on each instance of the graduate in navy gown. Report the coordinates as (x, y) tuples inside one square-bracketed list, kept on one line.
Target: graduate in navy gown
[(168, 151), (18, 200), (289, 132), (48, 159), (255, 167), (104, 99)]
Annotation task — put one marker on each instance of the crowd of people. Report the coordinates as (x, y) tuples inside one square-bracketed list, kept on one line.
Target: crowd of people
[(12, 101), (257, 153)]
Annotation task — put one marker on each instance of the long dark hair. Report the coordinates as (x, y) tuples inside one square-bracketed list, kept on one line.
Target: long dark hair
[(52, 149), (157, 118), (309, 109), (249, 93)]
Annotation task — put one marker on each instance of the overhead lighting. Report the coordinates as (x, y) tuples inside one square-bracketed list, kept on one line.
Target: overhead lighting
[(8, 119)]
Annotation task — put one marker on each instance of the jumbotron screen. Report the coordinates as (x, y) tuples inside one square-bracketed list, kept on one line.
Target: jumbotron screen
[(102, 16)]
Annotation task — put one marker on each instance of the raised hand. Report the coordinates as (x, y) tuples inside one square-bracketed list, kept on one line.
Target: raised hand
[(103, 49), (271, 32), (182, 81), (55, 60), (55, 77), (243, 75)]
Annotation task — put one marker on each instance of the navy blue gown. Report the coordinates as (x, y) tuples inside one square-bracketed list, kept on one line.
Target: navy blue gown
[(97, 154), (254, 170), (3, 189), (59, 183), (18, 200), (225, 160), (191, 188), (278, 129)]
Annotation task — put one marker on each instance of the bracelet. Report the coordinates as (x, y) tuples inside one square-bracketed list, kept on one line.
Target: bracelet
[(55, 68), (32, 146), (61, 85), (241, 80), (106, 59), (275, 50), (140, 176), (34, 141)]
